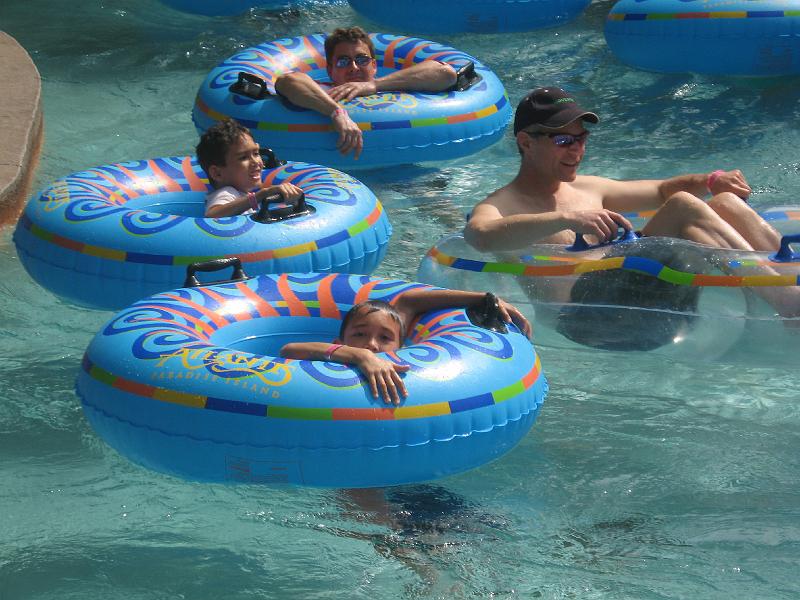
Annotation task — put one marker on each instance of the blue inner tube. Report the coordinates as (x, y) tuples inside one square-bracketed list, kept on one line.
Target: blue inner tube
[(476, 16), (398, 127), (108, 236), (188, 382), (739, 37)]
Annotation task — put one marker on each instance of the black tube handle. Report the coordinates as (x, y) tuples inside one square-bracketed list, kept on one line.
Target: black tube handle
[(214, 265), (286, 209), (271, 161), (487, 314), (466, 77), (250, 85)]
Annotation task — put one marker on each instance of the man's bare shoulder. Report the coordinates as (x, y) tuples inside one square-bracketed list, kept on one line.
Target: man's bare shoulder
[(505, 201)]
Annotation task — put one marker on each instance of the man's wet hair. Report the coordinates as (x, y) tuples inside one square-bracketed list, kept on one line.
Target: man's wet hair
[(368, 307), (347, 34), (215, 142)]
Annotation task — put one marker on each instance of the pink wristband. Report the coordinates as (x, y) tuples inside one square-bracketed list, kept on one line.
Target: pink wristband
[(251, 198), (712, 177), (337, 110), (330, 350)]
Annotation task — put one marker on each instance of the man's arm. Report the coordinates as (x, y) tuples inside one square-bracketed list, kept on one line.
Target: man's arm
[(701, 184), (633, 196), (489, 230), (643, 194), (425, 76), (300, 89)]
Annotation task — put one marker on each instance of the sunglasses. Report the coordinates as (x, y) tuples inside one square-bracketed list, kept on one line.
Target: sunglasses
[(562, 139), (362, 60)]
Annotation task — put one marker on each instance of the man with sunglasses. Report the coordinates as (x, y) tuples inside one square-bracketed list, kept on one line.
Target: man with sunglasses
[(350, 57), (548, 202)]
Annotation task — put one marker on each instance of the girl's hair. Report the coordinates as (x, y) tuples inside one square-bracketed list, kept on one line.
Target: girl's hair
[(369, 307), (214, 143)]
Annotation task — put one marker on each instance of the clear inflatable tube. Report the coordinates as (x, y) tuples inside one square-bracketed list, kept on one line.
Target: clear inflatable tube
[(652, 294)]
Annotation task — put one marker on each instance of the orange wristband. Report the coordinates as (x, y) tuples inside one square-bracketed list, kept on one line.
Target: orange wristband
[(330, 350)]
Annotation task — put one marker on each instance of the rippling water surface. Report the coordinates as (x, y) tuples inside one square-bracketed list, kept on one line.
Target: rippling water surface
[(643, 477)]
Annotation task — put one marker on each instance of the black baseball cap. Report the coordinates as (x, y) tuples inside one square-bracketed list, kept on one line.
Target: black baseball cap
[(550, 108)]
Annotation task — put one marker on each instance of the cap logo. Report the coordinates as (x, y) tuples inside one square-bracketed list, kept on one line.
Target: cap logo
[(560, 100)]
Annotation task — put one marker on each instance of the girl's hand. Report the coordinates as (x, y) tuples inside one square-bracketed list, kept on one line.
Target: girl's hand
[(511, 313), (383, 377)]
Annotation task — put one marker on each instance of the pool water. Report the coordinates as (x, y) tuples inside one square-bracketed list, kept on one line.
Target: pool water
[(644, 477)]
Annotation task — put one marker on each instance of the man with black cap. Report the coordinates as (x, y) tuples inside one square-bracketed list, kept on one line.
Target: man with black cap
[(548, 202)]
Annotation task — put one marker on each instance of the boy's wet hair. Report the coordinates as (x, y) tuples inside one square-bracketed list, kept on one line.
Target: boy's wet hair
[(215, 142), (368, 307), (347, 34)]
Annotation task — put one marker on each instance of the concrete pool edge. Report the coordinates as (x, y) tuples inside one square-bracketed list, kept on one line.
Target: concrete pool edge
[(22, 125)]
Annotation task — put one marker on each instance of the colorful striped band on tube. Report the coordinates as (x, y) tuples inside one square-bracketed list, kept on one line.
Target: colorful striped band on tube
[(684, 300), (737, 37)]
